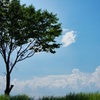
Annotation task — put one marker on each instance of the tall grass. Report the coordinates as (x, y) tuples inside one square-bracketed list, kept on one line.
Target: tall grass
[(4, 97), (71, 96), (17, 97), (20, 97)]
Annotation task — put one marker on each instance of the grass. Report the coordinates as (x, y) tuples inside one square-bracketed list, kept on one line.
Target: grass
[(17, 97), (20, 97), (4, 97), (71, 96)]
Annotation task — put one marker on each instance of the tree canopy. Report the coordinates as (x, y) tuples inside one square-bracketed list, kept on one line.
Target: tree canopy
[(25, 31)]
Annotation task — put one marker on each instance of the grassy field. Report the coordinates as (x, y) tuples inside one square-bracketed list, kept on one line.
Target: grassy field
[(71, 96), (17, 97)]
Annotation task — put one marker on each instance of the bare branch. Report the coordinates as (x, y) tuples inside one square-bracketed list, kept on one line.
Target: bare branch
[(14, 63), (20, 53), (27, 56), (19, 49)]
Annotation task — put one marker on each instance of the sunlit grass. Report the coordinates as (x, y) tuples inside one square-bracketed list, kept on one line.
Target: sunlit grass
[(4, 97), (17, 97), (71, 96), (20, 97)]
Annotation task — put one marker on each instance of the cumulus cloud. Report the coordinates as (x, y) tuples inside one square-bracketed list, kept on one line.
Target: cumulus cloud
[(68, 38), (77, 81)]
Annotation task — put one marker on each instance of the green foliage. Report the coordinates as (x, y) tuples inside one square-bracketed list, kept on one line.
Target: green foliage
[(19, 24)]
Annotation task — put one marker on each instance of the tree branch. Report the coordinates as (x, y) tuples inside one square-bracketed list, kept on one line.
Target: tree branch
[(10, 51), (27, 56), (3, 53), (15, 59), (20, 53)]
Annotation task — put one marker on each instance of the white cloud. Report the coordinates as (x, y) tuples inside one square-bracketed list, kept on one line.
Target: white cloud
[(2, 82), (77, 81), (68, 38), (65, 30)]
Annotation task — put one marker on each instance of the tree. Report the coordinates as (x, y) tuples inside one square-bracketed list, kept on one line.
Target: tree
[(25, 31)]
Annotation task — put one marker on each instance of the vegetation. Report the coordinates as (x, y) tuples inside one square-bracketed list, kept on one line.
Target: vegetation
[(4, 97), (71, 96), (25, 31), (20, 97)]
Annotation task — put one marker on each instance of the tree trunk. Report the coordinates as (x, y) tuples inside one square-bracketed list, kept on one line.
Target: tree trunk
[(8, 87), (7, 83)]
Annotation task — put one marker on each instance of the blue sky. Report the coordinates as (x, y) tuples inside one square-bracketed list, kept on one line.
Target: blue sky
[(78, 57)]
